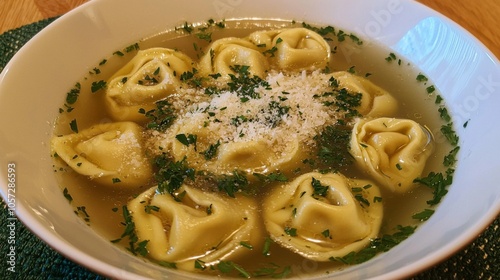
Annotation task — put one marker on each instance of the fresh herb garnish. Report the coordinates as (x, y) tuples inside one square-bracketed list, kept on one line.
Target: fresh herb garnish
[(74, 126), (276, 113), (211, 152), (273, 271), (133, 47), (172, 174), (424, 215), (230, 184), (274, 49), (149, 208), (246, 245), (450, 133), (67, 195), (96, 86), (377, 245), (244, 83), (421, 78), (129, 232), (160, 118), (318, 188), (72, 95), (272, 177), (443, 113), (451, 158), (228, 266), (291, 231), (187, 140), (438, 183), (266, 249), (333, 147)]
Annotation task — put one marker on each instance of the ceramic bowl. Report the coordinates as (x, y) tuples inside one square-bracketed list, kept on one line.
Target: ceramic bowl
[(33, 86)]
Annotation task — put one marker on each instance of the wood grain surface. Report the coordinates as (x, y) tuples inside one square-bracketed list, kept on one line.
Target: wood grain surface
[(481, 18)]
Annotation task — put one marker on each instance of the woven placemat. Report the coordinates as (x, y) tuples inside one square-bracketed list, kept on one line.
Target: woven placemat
[(36, 260)]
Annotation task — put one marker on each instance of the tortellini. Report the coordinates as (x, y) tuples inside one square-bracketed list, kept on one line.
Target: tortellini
[(375, 101), (225, 54), (151, 75), (209, 153), (321, 216), (201, 226), (111, 154), (294, 48), (393, 151)]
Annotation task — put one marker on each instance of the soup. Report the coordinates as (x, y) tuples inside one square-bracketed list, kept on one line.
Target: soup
[(254, 148)]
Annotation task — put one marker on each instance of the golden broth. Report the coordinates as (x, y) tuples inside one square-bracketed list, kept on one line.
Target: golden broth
[(103, 205)]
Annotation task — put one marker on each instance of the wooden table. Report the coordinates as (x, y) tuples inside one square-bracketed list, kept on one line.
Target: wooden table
[(481, 18)]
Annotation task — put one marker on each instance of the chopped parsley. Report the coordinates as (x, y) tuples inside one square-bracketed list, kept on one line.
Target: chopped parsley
[(74, 126), (244, 83), (230, 184), (186, 28), (438, 183), (266, 249), (227, 267), (421, 78), (333, 147), (246, 245), (377, 245), (211, 152), (133, 47), (443, 113), (72, 95), (96, 86), (391, 57), (160, 118), (274, 49), (273, 271), (130, 233), (451, 158), (449, 133), (424, 215), (172, 174), (67, 195), (149, 208), (82, 212), (187, 140), (272, 177), (277, 112), (291, 231), (204, 36), (318, 188)]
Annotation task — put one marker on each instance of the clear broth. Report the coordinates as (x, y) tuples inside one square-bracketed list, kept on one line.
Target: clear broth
[(103, 205)]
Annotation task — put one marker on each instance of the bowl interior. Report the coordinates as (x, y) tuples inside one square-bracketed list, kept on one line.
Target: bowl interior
[(34, 84)]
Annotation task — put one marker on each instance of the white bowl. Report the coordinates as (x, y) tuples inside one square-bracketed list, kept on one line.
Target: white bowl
[(34, 83)]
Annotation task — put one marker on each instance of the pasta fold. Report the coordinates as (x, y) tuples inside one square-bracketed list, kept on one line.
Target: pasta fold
[(211, 154), (375, 101), (200, 227), (294, 48), (111, 154), (321, 216), (393, 151), (225, 54), (151, 75)]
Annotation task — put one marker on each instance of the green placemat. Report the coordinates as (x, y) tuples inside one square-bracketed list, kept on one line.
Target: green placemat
[(36, 260)]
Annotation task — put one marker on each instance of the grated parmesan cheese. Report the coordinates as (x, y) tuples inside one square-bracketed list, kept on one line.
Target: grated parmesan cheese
[(286, 110)]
